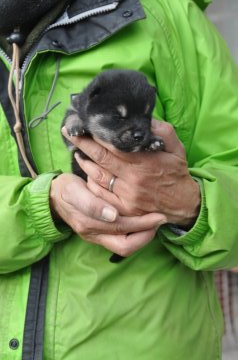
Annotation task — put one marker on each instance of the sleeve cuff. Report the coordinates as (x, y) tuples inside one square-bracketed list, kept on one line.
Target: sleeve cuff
[(40, 211)]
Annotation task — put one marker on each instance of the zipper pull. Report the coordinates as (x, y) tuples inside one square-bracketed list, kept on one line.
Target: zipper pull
[(16, 38)]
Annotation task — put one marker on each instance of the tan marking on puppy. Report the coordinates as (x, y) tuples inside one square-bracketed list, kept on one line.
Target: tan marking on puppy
[(122, 110)]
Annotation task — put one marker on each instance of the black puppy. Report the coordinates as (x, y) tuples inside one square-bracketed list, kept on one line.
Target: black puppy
[(115, 107)]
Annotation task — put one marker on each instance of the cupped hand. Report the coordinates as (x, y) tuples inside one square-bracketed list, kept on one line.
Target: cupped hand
[(147, 182), (97, 221)]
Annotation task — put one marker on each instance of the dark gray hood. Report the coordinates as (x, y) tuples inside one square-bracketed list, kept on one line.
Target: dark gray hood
[(23, 13)]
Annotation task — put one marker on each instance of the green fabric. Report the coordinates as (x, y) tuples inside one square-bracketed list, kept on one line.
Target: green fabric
[(203, 3), (25, 207), (155, 304)]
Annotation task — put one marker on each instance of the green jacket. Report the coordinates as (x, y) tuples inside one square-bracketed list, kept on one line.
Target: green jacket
[(159, 303)]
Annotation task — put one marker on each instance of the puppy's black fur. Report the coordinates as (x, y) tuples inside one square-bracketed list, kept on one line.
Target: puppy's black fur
[(115, 107)]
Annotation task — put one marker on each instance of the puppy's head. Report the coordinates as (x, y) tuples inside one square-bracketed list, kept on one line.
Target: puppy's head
[(119, 109)]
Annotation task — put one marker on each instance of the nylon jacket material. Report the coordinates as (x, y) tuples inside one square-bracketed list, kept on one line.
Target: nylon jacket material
[(161, 302)]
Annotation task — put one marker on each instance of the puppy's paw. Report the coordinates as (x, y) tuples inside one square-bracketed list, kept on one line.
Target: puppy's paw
[(73, 123), (75, 131), (156, 144)]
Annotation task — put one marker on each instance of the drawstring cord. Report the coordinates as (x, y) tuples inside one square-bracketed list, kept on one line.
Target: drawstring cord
[(37, 120), (15, 39), (16, 106)]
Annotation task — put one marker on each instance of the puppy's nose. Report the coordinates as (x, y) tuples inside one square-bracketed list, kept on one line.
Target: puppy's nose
[(138, 135)]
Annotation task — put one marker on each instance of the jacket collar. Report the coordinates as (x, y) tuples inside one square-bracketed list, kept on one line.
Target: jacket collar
[(89, 22)]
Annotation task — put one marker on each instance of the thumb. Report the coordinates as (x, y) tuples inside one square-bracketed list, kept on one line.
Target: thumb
[(74, 192)]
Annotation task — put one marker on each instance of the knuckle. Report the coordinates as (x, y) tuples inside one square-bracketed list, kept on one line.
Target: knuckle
[(101, 178), (98, 192), (118, 228), (136, 180), (80, 228), (92, 208), (102, 156), (124, 250), (67, 189), (182, 149), (169, 128)]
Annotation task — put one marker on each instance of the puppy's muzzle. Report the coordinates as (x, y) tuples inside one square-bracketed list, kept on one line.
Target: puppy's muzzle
[(133, 137)]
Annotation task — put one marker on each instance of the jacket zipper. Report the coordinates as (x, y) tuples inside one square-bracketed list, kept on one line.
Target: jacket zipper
[(65, 20), (5, 56)]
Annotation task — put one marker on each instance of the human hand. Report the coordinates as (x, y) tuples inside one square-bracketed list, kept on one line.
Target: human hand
[(147, 182), (97, 221)]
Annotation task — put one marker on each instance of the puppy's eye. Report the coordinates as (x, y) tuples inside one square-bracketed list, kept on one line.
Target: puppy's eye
[(118, 117)]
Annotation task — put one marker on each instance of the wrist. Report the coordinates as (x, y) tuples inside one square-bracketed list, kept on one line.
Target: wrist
[(193, 206)]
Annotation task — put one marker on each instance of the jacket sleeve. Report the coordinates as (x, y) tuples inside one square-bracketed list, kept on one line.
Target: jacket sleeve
[(211, 115), (203, 3), (27, 231)]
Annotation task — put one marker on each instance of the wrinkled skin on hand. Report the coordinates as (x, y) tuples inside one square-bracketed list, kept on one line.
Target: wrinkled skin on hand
[(98, 222), (151, 189), (154, 182)]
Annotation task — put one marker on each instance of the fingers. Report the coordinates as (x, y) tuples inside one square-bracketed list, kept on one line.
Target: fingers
[(168, 134), (89, 204), (124, 245), (112, 197), (87, 227), (87, 214), (70, 190), (97, 152), (97, 174), (111, 159)]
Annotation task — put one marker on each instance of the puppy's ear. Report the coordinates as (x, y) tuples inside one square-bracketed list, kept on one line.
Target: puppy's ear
[(95, 91), (74, 100)]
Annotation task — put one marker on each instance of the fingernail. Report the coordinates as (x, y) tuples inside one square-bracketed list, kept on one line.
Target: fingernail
[(77, 157), (109, 214), (64, 131)]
